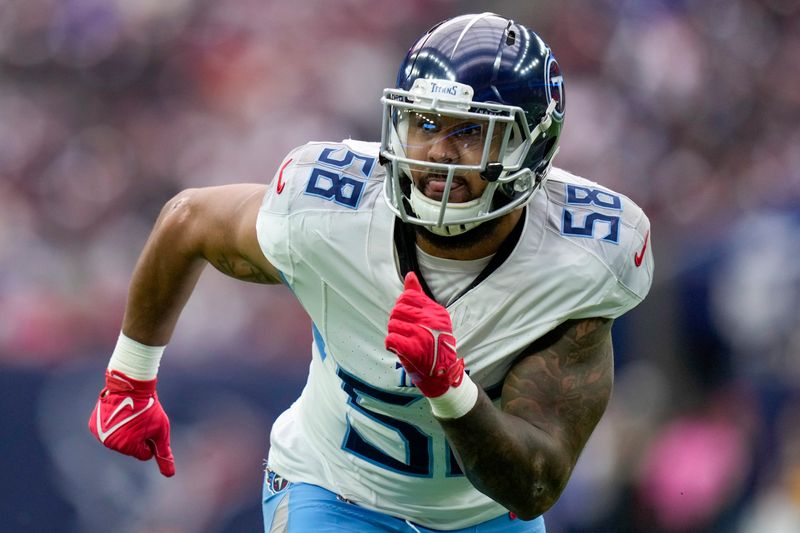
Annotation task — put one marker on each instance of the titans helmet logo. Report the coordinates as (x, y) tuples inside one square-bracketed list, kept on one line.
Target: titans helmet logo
[(554, 82)]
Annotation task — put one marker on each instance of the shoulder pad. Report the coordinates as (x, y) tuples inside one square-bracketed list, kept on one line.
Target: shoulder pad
[(323, 175), (607, 225)]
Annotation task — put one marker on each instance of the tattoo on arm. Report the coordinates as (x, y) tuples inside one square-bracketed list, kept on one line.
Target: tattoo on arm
[(241, 269), (522, 454), (564, 386)]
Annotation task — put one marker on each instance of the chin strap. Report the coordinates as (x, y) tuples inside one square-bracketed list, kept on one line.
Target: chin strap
[(427, 208)]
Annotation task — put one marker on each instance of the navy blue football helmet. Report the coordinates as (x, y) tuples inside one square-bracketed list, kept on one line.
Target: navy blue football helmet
[(488, 85)]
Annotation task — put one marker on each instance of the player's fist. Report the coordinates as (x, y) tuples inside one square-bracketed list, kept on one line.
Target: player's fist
[(129, 418), (421, 334)]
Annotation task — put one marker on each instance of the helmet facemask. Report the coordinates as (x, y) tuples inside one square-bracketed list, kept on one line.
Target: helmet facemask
[(434, 135)]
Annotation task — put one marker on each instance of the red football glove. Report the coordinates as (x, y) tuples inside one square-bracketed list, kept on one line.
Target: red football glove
[(421, 334), (129, 418)]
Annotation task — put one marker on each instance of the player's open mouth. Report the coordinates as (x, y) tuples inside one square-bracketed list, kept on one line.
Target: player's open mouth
[(433, 187)]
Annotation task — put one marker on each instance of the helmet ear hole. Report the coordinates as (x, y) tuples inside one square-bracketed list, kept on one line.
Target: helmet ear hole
[(548, 147)]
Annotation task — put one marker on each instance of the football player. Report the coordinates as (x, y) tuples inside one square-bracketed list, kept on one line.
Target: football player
[(462, 291)]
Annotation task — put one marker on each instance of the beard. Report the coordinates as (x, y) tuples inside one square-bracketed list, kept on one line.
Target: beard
[(463, 241)]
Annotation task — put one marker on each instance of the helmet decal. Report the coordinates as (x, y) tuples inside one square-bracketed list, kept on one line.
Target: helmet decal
[(554, 82)]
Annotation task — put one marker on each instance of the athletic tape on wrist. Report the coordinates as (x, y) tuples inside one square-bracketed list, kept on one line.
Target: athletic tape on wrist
[(457, 401), (134, 359)]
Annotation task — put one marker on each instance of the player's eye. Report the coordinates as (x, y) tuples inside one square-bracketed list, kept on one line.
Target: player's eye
[(467, 130), (426, 124), (468, 134)]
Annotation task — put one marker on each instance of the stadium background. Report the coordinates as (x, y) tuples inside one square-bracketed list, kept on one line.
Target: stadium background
[(108, 107)]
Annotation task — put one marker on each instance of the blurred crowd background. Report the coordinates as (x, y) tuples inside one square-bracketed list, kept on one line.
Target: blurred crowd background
[(109, 107)]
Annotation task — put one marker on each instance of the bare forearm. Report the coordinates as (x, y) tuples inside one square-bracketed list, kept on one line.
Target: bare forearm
[(507, 459), (164, 278), (522, 454), (214, 225)]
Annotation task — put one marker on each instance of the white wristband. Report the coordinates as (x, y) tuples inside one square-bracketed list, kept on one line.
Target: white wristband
[(457, 401), (134, 359)]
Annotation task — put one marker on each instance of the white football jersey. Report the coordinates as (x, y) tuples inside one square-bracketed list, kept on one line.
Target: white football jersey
[(360, 428)]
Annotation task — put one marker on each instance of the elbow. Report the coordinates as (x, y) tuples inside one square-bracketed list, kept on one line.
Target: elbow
[(179, 208), (177, 228), (539, 500), (540, 494), (178, 214)]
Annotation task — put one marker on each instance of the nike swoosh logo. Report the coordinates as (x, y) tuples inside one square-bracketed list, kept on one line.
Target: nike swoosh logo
[(436, 333), (639, 256), (281, 183), (127, 402)]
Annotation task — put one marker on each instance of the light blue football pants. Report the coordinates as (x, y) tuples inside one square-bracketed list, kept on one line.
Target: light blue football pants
[(304, 508)]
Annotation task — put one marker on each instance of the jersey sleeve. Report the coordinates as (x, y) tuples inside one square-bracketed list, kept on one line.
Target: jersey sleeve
[(272, 225), (609, 237), (315, 187), (633, 272)]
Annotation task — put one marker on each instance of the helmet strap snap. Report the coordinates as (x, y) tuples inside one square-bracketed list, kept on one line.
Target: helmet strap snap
[(493, 171)]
